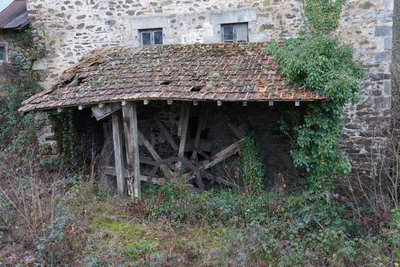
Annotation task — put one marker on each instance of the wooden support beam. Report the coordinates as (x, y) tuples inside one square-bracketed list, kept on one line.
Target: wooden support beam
[(222, 155), (157, 181), (184, 130), (154, 154), (181, 118), (109, 170), (166, 134), (221, 180), (147, 161), (185, 162), (235, 131), (129, 114), (105, 110), (200, 125), (118, 154)]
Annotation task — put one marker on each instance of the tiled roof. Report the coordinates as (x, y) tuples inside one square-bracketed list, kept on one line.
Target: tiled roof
[(15, 16), (202, 72)]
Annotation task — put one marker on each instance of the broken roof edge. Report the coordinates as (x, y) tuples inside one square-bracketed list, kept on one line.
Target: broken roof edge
[(27, 109)]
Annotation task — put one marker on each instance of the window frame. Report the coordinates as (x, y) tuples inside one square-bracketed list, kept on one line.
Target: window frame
[(152, 38), (5, 45), (234, 25)]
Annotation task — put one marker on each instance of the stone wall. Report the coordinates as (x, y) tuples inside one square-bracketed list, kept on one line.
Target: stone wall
[(396, 62), (74, 28), (367, 26), (8, 38)]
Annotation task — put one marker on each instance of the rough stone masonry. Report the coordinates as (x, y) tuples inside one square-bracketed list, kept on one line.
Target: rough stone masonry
[(74, 28)]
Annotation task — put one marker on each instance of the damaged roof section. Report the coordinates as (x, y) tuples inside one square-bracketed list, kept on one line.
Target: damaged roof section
[(200, 72), (14, 16)]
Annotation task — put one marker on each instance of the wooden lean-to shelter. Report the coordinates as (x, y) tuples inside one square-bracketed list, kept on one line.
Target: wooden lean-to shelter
[(136, 86)]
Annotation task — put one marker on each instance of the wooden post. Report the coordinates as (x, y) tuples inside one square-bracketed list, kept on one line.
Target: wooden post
[(181, 118), (118, 154), (131, 129), (184, 130), (200, 126)]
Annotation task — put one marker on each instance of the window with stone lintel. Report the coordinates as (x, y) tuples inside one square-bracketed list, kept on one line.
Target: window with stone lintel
[(151, 37), (235, 33)]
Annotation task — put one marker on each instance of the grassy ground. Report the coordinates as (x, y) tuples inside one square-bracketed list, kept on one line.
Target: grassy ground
[(55, 217), (168, 229)]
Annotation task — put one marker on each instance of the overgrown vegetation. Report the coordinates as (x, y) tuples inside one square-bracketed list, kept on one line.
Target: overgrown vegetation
[(322, 15), (279, 229), (320, 63), (21, 83), (66, 136), (253, 168)]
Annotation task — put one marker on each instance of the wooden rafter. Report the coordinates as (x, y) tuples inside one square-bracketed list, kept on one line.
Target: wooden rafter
[(106, 110), (222, 155), (166, 134), (235, 131), (186, 163), (155, 155)]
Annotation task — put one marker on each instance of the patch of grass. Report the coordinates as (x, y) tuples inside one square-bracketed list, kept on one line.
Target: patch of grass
[(115, 226)]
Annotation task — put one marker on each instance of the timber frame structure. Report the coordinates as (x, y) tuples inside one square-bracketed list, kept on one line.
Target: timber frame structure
[(113, 83)]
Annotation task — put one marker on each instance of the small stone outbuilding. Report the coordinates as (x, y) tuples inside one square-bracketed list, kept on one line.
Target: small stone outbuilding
[(178, 110)]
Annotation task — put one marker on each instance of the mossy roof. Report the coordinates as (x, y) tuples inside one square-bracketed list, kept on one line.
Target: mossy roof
[(200, 72)]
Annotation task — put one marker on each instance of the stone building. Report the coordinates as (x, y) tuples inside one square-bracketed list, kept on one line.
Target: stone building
[(74, 28)]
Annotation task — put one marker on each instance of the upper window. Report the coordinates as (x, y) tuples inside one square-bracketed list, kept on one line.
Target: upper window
[(3, 52), (235, 33), (151, 37)]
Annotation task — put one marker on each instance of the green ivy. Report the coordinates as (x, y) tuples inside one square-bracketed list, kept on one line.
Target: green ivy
[(322, 65), (21, 83), (323, 15), (252, 167), (66, 135)]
